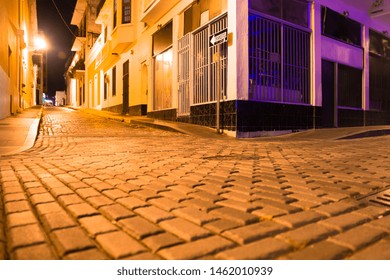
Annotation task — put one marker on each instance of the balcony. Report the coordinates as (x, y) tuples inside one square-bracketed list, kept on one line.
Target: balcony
[(80, 39), (78, 44), (104, 11), (100, 6), (153, 10), (106, 57), (95, 50), (78, 69), (79, 11), (122, 37)]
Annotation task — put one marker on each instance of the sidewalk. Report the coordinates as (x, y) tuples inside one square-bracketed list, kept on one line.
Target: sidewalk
[(18, 133), (184, 128)]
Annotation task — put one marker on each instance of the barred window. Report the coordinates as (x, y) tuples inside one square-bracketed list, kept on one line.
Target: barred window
[(279, 62)]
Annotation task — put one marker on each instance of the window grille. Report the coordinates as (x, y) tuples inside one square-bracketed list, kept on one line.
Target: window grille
[(184, 75), (205, 69), (279, 62)]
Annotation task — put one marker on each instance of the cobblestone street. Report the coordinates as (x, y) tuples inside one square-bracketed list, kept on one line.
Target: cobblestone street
[(92, 188)]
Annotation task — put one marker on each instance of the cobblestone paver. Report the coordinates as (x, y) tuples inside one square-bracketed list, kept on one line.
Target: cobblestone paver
[(92, 188)]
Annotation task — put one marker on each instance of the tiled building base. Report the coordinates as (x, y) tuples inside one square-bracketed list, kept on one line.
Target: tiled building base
[(251, 116)]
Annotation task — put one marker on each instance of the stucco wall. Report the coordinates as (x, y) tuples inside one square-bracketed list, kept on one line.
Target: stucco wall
[(4, 94)]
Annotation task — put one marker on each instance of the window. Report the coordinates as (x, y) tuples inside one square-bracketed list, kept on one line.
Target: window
[(340, 27), (115, 13), (126, 11), (294, 11), (82, 29), (379, 44), (113, 81), (209, 9), (188, 21), (92, 38), (162, 39)]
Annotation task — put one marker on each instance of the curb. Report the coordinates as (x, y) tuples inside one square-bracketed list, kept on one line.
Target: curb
[(153, 123), (157, 126), (130, 120), (31, 136), (33, 132)]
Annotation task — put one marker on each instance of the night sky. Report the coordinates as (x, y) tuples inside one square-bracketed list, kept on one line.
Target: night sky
[(59, 38)]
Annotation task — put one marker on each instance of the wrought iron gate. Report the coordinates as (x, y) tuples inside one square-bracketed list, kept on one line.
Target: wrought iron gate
[(198, 72), (184, 75)]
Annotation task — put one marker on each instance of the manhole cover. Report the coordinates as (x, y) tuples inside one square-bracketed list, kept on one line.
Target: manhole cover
[(234, 157), (381, 198)]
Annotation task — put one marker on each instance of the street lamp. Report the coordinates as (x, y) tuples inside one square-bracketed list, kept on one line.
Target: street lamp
[(40, 43), (40, 46)]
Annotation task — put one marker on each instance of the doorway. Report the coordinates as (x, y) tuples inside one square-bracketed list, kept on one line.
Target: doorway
[(125, 103), (144, 83), (329, 93)]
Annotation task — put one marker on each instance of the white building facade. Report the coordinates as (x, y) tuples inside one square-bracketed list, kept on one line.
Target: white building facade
[(242, 66)]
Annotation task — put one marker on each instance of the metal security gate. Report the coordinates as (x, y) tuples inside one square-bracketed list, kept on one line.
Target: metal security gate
[(221, 49), (205, 67), (279, 62), (201, 67), (184, 75)]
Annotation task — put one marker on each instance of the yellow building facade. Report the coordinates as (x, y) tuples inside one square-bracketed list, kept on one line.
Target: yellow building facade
[(18, 22), (132, 59), (247, 67)]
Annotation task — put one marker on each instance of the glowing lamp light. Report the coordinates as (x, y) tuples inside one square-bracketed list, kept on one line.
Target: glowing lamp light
[(40, 43)]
